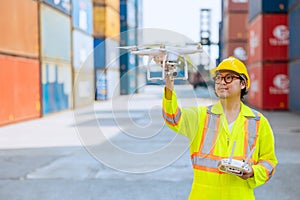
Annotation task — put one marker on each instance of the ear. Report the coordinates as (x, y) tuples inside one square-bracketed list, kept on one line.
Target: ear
[(243, 84)]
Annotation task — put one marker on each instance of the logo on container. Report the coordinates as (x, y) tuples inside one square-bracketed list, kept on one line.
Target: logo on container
[(254, 41), (281, 84), (240, 53), (280, 36)]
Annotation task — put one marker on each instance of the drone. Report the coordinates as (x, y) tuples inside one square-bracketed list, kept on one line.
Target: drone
[(168, 57), (235, 167)]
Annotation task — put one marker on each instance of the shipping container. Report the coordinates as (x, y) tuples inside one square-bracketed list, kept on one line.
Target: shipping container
[(257, 7), (84, 90), (236, 5), (128, 81), (129, 37), (82, 15), (268, 38), (83, 48), (235, 27), (55, 34), (236, 49), (101, 84), (115, 4), (127, 15), (56, 86), (106, 22), (113, 82), (294, 17), (19, 89), (61, 5), (293, 3), (19, 28), (269, 88), (106, 53), (294, 95)]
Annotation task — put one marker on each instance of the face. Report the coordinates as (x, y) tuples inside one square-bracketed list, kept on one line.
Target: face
[(228, 85)]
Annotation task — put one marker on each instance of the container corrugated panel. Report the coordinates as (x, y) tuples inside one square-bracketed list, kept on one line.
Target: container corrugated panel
[(139, 13), (236, 5), (61, 5), (84, 90), (268, 38), (128, 81), (101, 85), (55, 34), (257, 7), (113, 83), (269, 86), (294, 96), (235, 27), (82, 51), (294, 17), (127, 15), (129, 37), (19, 28), (115, 4), (19, 89), (106, 22), (293, 3), (236, 49), (106, 53), (56, 86), (82, 15)]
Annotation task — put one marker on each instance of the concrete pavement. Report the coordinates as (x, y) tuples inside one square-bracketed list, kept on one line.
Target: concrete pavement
[(121, 149)]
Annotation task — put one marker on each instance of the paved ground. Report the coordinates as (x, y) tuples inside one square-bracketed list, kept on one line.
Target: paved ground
[(121, 149)]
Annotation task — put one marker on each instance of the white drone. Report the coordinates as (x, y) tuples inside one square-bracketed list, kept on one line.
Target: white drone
[(167, 56)]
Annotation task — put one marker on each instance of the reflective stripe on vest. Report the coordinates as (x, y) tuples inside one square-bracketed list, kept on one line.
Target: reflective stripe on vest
[(204, 160), (268, 166), (172, 119)]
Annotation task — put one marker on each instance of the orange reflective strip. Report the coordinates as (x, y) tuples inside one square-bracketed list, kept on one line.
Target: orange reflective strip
[(215, 170), (216, 134), (204, 131), (256, 133), (171, 115)]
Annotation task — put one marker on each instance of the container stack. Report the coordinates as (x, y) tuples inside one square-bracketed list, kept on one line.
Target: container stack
[(106, 34), (83, 58), (55, 41), (268, 54), (294, 55), (128, 66), (234, 37), (19, 61)]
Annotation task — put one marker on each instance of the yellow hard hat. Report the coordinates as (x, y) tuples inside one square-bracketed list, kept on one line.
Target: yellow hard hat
[(233, 64)]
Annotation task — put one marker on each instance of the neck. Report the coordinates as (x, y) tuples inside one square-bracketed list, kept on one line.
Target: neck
[(231, 105)]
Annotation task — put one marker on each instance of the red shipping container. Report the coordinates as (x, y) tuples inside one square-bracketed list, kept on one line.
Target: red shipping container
[(236, 5), (235, 27), (268, 38), (19, 89), (236, 49), (269, 86)]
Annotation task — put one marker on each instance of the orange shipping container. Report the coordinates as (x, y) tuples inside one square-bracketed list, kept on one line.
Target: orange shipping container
[(106, 22), (115, 4), (19, 28), (19, 89), (235, 27)]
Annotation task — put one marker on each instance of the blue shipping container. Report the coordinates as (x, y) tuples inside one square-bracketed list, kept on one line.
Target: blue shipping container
[(293, 3), (56, 86), (294, 17), (82, 51), (55, 34), (82, 15), (127, 15), (266, 6), (294, 95), (128, 82), (101, 85), (106, 53), (62, 5)]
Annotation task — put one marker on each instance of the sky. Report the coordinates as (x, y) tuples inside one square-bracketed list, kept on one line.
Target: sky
[(183, 17)]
